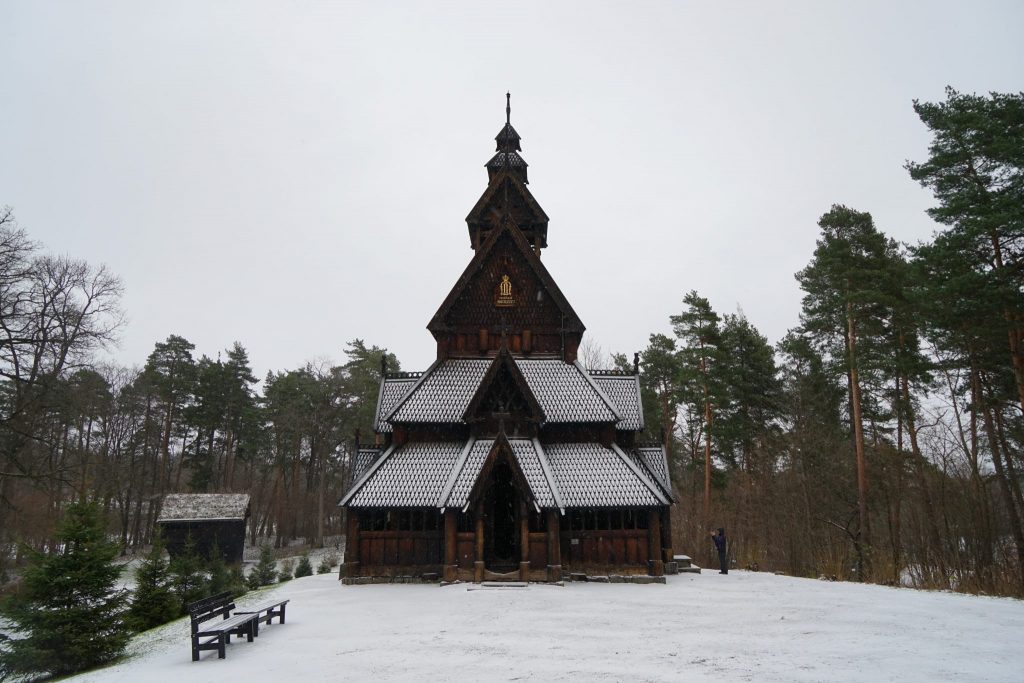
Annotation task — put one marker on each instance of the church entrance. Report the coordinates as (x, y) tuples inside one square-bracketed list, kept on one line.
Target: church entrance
[(501, 511)]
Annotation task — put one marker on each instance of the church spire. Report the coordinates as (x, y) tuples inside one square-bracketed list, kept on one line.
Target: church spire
[(506, 197), (508, 148)]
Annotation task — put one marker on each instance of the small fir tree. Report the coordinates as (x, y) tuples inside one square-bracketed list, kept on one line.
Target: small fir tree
[(286, 571), (236, 582), (219, 576), (304, 568), (325, 566), (189, 579), (69, 608), (154, 601), (266, 571)]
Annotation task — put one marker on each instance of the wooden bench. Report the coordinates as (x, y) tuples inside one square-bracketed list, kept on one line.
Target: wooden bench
[(215, 635), (272, 609)]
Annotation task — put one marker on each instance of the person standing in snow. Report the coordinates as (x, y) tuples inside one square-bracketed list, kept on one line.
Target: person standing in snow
[(720, 545)]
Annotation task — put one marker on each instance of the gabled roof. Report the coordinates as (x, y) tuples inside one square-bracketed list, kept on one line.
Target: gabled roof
[(566, 393), (475, 267), (565, 475), (442, 394), (505, 179), (591, 475), (204, 507), (504, 361), (624, 393), (655, 462), (392, 390), (365, 457), (410, 476), (562, 392)]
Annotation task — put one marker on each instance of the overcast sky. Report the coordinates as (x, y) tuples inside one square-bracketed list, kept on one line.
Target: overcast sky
[(293, 175)]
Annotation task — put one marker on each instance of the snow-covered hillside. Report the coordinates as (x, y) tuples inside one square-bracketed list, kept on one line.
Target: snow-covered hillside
[(744, 626)]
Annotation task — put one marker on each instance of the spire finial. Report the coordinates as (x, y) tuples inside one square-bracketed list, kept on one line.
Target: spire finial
[(508, 107)]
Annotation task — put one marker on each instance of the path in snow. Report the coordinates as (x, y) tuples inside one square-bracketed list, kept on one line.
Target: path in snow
[(744, 626)]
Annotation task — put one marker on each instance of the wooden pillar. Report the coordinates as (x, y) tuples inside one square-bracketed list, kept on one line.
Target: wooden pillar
[(524, 541), (451, 558), (478, 565), (668, 555), (554, 547), (655, 565), (351, 567)]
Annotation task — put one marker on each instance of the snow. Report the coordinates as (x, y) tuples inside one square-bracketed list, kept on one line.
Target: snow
[(743, 626)]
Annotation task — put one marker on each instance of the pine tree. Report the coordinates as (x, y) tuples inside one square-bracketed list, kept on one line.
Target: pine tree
[(219, 579), (69, 609), (154, 601), (304, 568), (265, 572), (189, 579), (849, 294), (697, 328)]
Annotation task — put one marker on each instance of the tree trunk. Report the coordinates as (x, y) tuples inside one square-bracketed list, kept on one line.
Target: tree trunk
[(858, 436)]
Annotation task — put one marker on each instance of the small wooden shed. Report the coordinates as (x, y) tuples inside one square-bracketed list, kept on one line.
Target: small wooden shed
[(210, 519)]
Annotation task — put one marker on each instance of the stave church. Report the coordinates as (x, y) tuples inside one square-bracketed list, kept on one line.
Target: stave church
[(507, 459)]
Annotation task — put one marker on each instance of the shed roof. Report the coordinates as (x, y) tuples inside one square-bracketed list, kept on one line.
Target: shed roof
[(204, 507)]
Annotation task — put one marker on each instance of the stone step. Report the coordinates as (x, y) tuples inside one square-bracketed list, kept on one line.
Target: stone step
[(692, 569), (496, 585), (682, 560)]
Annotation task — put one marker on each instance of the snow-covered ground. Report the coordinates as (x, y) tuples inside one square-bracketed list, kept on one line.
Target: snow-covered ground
[(744, 626)]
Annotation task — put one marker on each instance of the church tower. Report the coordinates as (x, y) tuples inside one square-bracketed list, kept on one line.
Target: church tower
[(506, 458), (505, 291)]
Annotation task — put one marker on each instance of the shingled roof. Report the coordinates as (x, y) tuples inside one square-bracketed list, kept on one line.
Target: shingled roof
[(392, 390), (564, 391), (442, 394), (624, 393), (204, 507), (559, 475)]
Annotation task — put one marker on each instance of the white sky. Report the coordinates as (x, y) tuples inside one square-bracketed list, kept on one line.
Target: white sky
[(293, 175)]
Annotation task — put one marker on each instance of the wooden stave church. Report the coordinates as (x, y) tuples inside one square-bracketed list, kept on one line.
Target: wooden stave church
[(506, 458)]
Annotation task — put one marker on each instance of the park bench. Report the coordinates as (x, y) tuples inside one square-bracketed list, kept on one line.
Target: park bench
[(271, 608), (217, 634)]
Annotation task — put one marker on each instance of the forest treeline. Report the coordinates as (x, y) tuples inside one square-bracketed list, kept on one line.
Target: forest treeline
[(73, 429), (880, 440)]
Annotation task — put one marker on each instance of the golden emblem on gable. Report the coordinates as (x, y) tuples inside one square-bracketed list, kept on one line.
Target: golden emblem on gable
[(505, 297)]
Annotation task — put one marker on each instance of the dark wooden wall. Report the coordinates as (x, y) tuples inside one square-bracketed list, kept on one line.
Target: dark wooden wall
[(228, 536)]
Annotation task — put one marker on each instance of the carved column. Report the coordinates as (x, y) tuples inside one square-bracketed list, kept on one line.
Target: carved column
[(478, 565), (655, 565), (666, 534), (451, 558), (351, 568), (554, 546), (524, 541)]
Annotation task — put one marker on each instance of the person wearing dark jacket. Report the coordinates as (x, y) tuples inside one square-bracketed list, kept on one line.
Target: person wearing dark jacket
[(720, 546)]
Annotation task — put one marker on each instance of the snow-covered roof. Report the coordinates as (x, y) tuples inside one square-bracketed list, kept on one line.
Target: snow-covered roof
[(364, 458), (565, 392), (591, 475), (442, 394), (624, 392), (655, 462), (392, 389), (410, 476), (208, 507), (442, 474)]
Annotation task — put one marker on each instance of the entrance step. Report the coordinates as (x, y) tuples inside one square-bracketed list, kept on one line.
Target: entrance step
[(497, 585)]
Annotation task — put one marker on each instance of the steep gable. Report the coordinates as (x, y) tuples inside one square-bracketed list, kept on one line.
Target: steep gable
[(532, 309)]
